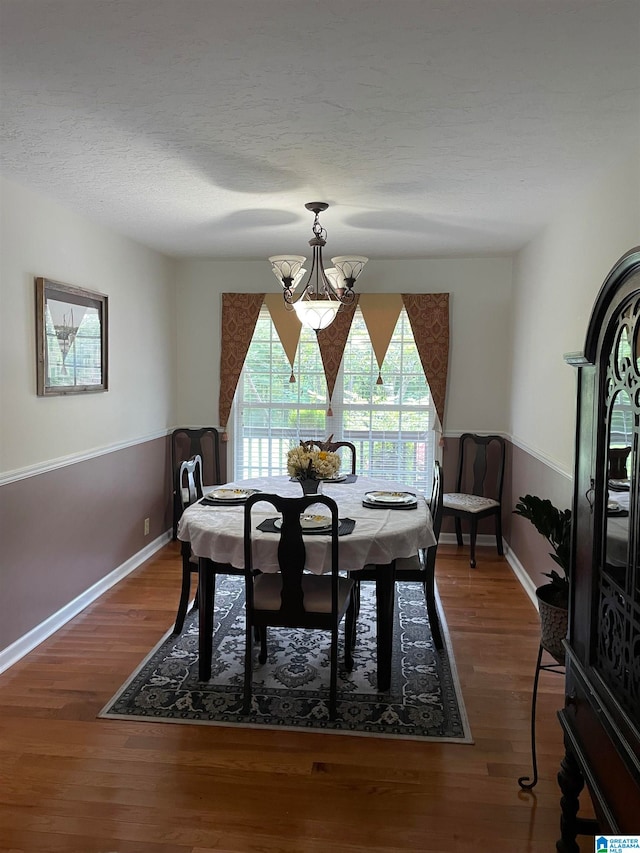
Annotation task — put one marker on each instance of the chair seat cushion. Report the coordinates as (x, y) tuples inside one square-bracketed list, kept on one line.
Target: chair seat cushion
[(315, 588), (467, 503)]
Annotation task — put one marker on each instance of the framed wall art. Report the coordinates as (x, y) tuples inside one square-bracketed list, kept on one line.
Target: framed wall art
[(71, 339)]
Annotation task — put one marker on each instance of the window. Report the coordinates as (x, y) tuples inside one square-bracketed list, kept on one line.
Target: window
[(390, 424)]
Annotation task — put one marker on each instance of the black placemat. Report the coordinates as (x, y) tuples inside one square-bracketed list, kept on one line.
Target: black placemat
[(345, 527)]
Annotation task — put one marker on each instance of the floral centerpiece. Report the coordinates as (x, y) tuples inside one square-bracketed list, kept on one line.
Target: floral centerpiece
[(306, 462)]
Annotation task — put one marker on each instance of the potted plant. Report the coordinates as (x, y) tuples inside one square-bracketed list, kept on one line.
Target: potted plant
[(553, 597)]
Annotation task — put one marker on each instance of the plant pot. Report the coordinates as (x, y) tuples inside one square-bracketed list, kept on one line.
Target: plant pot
[(554, 622)]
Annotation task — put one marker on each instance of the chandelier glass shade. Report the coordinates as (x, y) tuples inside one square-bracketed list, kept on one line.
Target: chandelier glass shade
[(324, 290)]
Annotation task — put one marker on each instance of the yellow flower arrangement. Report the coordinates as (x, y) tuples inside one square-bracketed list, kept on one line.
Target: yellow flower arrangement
[(307, 464)]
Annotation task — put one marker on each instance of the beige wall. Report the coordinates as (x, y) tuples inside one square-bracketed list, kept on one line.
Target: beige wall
[(42, 238), (557, 277)]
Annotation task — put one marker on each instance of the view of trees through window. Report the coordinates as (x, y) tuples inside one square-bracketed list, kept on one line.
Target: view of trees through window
[(391, 424)]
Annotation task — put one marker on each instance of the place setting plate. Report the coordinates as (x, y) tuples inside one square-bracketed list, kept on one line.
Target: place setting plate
[(390, 500), (338, 478), (224, 496), (309, 521)]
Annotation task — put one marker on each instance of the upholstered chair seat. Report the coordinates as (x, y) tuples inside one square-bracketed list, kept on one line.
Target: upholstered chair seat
[(467, 503), (267, 593)]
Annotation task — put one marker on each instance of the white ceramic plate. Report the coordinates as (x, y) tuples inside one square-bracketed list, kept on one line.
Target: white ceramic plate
[(228, 494), (339, 478), (310, 522), (390, 497)]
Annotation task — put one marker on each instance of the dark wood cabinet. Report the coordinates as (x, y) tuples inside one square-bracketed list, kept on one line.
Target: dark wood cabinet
[(601, 716)]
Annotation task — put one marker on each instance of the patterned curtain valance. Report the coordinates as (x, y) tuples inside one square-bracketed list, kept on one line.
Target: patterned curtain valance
[(429, 317), (428, 314), (240, 313)]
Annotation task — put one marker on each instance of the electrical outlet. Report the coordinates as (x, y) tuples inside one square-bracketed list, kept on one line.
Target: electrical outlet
[(146, 527)]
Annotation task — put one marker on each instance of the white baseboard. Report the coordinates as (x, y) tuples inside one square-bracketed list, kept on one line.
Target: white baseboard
[(516, 566), (519, 571), (17, 650)]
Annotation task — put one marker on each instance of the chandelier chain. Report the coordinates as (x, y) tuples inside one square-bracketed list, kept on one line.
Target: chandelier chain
[(318, 231)]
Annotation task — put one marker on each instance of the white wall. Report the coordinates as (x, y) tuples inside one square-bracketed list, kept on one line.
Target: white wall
[(556, 280), (41, 238), (480, 319)]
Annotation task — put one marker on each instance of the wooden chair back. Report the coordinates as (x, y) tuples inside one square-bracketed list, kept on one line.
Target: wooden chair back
[(291, 559), (335, 447), (187, 442), (481, 465), (189, 481), (435, 501)]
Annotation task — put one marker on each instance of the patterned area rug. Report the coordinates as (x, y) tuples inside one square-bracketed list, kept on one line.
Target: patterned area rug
[(291, 689)]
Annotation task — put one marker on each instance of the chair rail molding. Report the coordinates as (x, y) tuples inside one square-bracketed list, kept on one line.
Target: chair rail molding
[(63, 461), (555, 464)]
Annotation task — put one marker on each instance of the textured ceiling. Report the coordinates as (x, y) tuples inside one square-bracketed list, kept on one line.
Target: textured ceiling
[(432, 127)]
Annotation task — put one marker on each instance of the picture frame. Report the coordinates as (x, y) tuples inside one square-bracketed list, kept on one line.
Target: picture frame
[(71, 339)]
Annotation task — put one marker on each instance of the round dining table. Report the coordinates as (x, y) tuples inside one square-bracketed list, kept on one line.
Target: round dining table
[(381, 535)]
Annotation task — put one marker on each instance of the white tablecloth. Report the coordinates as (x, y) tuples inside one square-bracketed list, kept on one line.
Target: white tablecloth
[(379, 536)]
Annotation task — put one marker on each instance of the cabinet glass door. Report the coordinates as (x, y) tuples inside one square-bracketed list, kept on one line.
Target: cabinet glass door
[(617, 618)]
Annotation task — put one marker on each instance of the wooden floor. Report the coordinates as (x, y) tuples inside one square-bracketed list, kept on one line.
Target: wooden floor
[(71, 782)]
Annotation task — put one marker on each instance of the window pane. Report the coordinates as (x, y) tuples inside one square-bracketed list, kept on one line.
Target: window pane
[(391, 423)]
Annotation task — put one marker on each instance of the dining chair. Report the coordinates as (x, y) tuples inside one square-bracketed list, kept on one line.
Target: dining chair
[(419, 568), (334, 447), (478, 490), (293, 597), (190, 490), (187, 442)]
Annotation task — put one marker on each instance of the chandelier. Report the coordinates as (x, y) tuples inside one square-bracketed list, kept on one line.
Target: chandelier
[(325, 290)]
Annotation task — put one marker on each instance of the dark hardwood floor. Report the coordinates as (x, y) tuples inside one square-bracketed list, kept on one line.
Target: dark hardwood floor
[(71, 782)]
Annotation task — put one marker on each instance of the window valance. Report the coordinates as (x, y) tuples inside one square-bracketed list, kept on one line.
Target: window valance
[(428, 314)]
